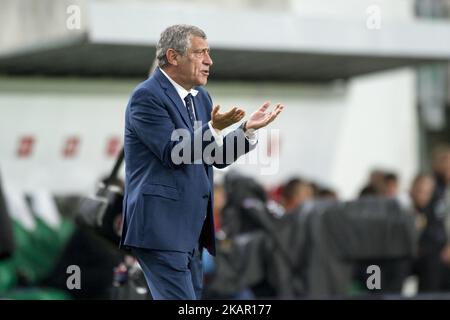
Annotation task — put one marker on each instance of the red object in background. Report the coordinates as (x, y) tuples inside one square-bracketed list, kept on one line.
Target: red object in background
[(25, 148), (273, 145), (275, 193), (113, 147), (71, 147)]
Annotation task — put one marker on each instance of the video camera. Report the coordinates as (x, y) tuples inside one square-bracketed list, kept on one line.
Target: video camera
[(102, 212)]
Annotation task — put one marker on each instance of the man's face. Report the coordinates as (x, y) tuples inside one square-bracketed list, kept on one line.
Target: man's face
[(193, 67)]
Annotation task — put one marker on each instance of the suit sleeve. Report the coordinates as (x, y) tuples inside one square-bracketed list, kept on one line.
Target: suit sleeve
[(153, 125), (234, 145)]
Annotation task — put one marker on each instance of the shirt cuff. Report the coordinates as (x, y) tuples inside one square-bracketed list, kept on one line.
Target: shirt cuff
[(217, 134), (250, 135)]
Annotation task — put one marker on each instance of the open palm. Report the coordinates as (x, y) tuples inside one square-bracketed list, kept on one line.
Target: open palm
[(261, 118)]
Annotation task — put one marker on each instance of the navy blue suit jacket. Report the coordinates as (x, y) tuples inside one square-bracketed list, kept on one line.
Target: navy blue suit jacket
[(168, 205)]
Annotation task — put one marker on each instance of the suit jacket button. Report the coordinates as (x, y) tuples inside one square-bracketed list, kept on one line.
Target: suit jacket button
[(205, 196)]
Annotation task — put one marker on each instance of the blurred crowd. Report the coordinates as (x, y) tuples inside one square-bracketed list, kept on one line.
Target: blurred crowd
[(426, 203), (295, 240)]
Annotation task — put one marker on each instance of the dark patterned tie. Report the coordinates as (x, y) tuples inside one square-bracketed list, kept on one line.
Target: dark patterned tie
[(190, 108)]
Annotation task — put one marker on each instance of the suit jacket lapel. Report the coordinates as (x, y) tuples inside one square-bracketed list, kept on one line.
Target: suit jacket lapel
[(173, 95)]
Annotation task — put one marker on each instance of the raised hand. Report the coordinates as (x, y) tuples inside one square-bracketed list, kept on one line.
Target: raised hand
[(260, 118), (222, 120)]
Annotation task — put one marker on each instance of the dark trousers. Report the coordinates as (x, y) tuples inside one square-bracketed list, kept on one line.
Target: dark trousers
[(172, 275)]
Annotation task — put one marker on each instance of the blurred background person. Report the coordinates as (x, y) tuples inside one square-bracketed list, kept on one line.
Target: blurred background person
[(433, 263), (390, 185), (295, 193), (421, 192), (376, 183)]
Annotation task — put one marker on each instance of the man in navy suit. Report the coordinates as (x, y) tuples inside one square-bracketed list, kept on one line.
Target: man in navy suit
[(172, 139)]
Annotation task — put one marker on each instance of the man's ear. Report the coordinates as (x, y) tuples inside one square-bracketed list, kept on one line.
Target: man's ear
[(171, 56)]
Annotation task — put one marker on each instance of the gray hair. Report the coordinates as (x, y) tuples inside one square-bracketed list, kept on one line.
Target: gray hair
[(177, 37)]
